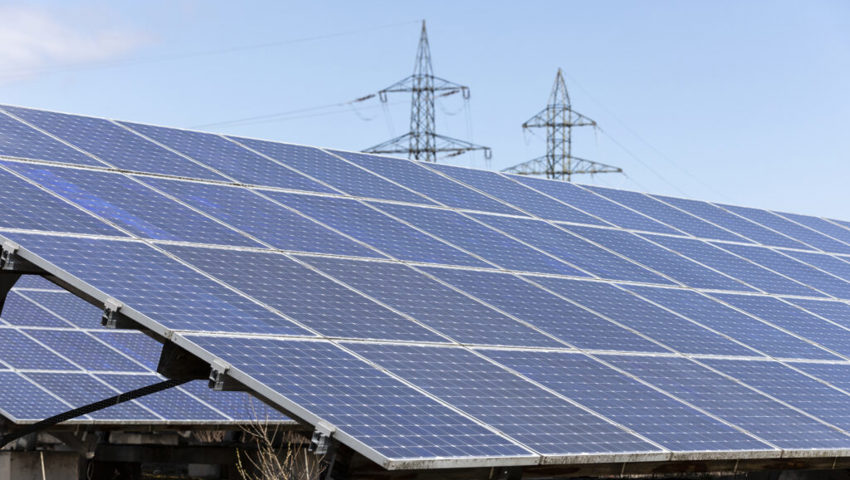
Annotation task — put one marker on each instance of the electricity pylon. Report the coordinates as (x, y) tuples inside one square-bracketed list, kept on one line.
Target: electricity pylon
[(558, 118), (422, 142)]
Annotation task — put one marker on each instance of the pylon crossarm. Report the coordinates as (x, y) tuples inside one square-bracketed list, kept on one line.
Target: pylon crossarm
[(396, 145), (544, 119), (409, 84), (535, 166), (583, 165)]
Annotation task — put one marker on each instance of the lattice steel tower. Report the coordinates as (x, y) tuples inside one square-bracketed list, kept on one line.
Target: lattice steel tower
[(559, 118), (422, 142)]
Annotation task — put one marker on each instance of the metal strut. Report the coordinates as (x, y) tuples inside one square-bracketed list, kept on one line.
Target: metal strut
[(12, 266), (92, 407)]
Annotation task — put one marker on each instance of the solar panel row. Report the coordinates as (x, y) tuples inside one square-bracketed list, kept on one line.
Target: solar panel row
[(444, 315)]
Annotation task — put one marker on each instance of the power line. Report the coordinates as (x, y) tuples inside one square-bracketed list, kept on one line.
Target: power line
[(187, 55)]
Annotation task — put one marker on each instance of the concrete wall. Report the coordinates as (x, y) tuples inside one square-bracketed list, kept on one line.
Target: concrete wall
[(27, 465)]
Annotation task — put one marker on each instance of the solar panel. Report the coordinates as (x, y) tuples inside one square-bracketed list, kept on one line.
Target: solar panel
[(428, 316)]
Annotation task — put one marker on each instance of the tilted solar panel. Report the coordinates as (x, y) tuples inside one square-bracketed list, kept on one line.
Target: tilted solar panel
[(426, 316)]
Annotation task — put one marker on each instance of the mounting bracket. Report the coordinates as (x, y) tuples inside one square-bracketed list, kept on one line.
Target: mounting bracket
[(321, 440), (113, 318), (177, 363), (12, 266), (220, 380)]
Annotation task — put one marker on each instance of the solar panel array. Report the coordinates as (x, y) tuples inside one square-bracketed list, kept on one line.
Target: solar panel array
[(54, 358), (441, 316)]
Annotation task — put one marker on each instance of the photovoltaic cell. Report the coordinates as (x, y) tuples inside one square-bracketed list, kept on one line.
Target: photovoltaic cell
[(731, 322), (171, 404), (793, 319), (824, 226), (19, 351), (21, 399), (133, 344), (85, 350), (758, 414), (657, 258), (729, 221), (113, 144), (793, 388), (572, 249), (626, 401), (627, 309), (20, 140), (837, 312), (80, 389), (428, 183), (594, 204), (304, 295), (532, 416), (517, 195), (667, 214), (835, 374), (545, 311), (229, 158), (791, 229), (268, 221), (156, 285), (18, 310), (827, 263), (383, 413), (376, 229), (793, 269), (131, 205), (68, 307), (34, 209), (479, 239), (438, 306), (334, 171), (734, 266)]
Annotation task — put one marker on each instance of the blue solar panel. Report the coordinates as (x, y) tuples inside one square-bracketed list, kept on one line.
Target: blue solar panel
[(791, 229), (334, 171), (572, 249), (659, 259), (20, 311), (67, 307), (387, 416), (172, 404), (733, 402), (792, 268), (20, 351), (545, 311), (517, 195), (824, 226), (594, 204), (793, 319), (438, 306), (267, 221), (644, 317), (734, 266), (729, 221), (479, 239), (236, 405), (650, 413), (113, 144), (34, 209), (156, 285), (428, 183), (837, 312), (376, 229), (835, 374), (793, 388), (534, 417), (131, 205), (731, 322), (229, 158), (84, 350), (304, 295), (21, 399), (827, 263), (133, 344), (80, 389), (667, 214), (20, 140), (37, 282)]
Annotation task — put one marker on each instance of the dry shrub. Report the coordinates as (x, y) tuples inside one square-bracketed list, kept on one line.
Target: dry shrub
[(279, 455), (209, 436)]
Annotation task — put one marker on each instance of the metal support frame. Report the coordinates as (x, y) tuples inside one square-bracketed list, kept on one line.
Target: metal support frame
[(220, 380), (422, 142), (113, 318), (321, 439)]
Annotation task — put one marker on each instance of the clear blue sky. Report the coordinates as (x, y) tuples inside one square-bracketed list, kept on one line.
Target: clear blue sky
[(738, 102)]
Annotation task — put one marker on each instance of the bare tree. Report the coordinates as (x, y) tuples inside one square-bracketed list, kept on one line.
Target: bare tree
[(280, 455)]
